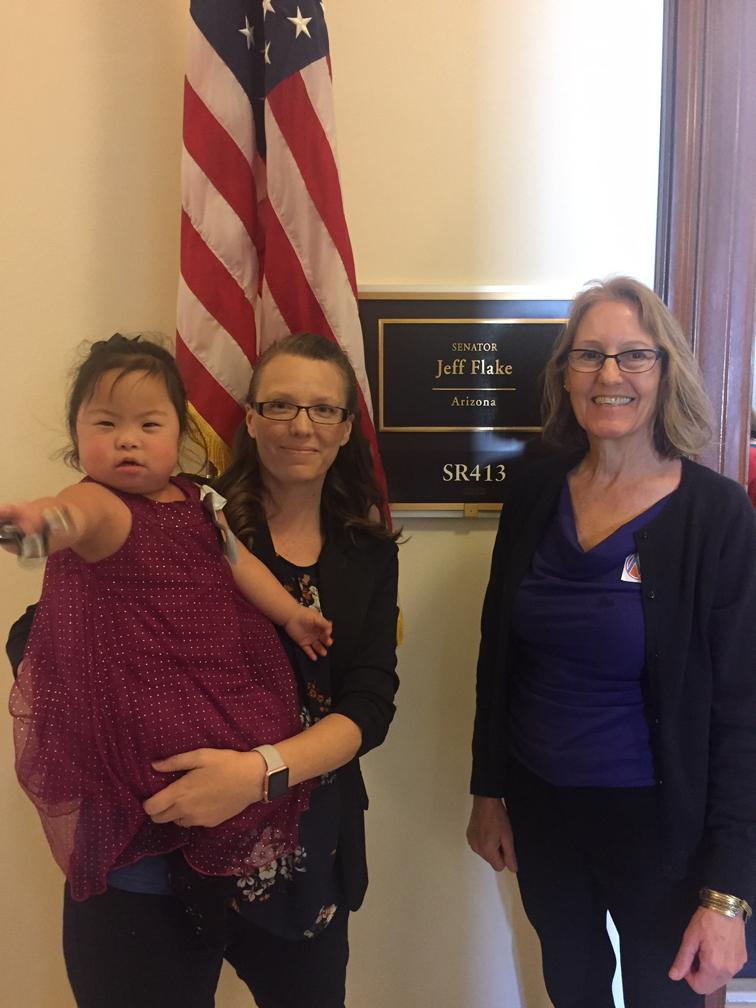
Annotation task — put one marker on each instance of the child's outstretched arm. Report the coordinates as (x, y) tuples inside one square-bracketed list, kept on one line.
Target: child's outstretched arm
[(86, 518), (303, 624)]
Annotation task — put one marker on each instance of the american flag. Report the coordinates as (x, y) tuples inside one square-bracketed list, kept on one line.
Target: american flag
[(265, 248)]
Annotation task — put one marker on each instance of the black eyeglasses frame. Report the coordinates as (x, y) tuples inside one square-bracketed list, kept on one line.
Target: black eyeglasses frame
[(656, 351), (258, 408)]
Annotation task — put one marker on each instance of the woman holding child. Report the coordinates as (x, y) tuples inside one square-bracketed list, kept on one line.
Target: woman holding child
[(300, 496)]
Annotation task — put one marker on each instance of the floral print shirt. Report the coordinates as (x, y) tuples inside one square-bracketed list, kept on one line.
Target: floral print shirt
[(297, 895)]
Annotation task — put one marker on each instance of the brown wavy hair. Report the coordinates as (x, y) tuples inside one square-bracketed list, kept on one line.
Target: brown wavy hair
[(682, 422), (351, 496)]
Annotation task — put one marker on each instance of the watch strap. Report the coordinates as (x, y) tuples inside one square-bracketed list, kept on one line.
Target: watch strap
[(272, 757), (276, 780)]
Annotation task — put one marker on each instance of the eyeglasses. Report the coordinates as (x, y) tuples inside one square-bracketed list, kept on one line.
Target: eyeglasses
[(632, 361), (319, 413)]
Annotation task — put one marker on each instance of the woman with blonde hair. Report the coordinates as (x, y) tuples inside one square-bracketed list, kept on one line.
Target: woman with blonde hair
[(614, 752)]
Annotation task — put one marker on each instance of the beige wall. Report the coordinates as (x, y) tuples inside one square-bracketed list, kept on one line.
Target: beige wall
[(91, 112), (486, 143)]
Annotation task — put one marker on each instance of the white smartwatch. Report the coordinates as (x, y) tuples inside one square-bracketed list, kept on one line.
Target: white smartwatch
[(276, 781)]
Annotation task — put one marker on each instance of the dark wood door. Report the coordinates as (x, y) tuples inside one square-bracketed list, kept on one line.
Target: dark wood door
[(706, 247)]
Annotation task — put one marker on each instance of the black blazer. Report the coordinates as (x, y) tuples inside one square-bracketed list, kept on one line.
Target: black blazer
[(357, 582), (358, 576), (698, 563)]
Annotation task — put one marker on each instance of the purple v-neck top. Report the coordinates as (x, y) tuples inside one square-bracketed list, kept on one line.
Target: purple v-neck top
[(577, 705)]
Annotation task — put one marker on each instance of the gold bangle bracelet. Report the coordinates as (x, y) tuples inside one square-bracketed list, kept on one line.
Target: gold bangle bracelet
[(724, 903)]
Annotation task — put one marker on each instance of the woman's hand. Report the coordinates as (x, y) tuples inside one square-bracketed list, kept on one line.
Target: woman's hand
[(489, 833), (712, 951), (217, 785), (310, 630)]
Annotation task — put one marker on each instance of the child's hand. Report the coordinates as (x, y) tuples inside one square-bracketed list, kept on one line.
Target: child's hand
[(29, 517), (310, 630), (25, 527)]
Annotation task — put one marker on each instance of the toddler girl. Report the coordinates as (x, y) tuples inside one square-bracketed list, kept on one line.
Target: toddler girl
[(147, 641)]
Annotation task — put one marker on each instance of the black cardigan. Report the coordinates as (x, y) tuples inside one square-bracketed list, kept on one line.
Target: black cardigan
[(698, 564), (357, 581)]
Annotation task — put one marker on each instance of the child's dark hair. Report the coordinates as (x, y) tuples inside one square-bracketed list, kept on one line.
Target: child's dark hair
[(126, 356), (350, 493)]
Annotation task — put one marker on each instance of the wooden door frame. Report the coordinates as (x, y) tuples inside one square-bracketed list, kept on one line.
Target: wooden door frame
[(706, 233)]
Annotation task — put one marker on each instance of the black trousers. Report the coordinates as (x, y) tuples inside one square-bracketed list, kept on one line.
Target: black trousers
[(129, 950), (581, 852)]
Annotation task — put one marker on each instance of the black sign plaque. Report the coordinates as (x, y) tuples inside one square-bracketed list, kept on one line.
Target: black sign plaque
[(457, 385)]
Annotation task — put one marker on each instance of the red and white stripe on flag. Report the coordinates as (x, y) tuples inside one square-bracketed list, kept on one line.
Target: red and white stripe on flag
[(265, 248)]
